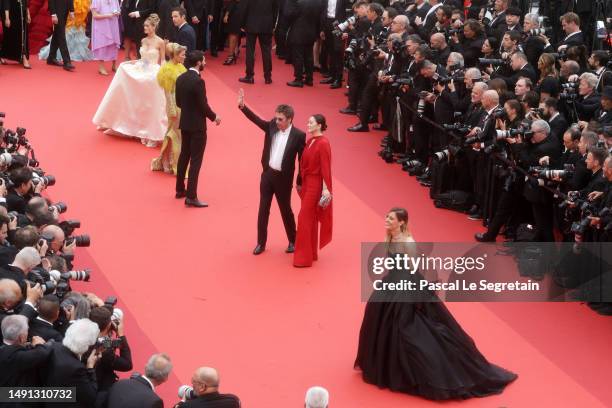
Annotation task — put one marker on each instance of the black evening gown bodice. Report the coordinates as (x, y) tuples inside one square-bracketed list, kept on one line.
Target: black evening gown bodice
[(420, 349)]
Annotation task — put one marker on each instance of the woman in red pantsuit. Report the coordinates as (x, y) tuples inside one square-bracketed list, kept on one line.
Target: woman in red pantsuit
[(315, 192)]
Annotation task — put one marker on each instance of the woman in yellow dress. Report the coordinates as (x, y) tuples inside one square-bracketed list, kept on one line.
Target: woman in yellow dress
[(166, 77)]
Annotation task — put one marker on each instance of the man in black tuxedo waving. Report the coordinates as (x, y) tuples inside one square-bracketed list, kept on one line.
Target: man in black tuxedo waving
[(282, 143), (191, 98), (59, 10)]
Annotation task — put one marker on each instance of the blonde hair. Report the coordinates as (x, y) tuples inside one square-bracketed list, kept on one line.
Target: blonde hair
[(172, 49), (153, 20)]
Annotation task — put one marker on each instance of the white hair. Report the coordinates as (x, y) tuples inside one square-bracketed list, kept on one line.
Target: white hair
[(456, 58), (81, 334), (473, 73), (14, 326), (533, 18), (591, 79), (541, 124), (481, 86), (28, 257), (7, 292), (158, 367), (317, 397)]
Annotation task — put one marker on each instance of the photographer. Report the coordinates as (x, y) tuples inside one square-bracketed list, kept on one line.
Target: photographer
[(603, 114), (424, 26), (520, 67), (470, 43), (43, 325), (205, 392), (513, 18), (497, 25), (108, 345), (598, 62), (532, 44), (332, 44), (570, 22), (22, 189), (529, 153), (523, 85), (461, 94), (440, 48), (588, 100)]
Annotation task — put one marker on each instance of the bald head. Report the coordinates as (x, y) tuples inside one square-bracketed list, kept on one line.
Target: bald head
[(58, 236), (10, 294), (438, 41), (490, 99), (205, 380), (401, 23)]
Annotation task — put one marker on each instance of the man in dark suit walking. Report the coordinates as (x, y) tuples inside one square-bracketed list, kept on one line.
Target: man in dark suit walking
[(199, 13), (185, 34), (191, 98), (139, 390), (259, 17), (304, 17), (59, 10), (282, 143)]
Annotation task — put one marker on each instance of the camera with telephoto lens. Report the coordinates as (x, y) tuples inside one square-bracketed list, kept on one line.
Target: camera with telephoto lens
[(60, 206), (551, 174), (187, 392), (47, 180), (540, 31), (38, 276), (80, 240), (110, 303), (559, 56), (588, 210), (457, 127), (446, 154), (68, 226), (342, 27), (82, 275), (107, 343), (496, 62)]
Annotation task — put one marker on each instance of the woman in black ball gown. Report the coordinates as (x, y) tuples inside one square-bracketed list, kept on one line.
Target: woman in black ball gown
[(418, 347)]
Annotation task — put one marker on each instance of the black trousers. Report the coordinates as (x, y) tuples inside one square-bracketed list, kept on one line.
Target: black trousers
[(59, 41), (369, 99), (265, 43), (332, 52), (193, 145), (303, 63), (201, 33), (274, 183), (357, 79), (543, 218)]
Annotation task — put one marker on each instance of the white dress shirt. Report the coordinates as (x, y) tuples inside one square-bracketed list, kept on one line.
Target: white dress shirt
[(331, 8), (277, 150)]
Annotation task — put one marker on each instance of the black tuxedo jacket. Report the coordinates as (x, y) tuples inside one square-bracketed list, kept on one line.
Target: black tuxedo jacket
[(571, 40), (212, 400), (134, 392), (61, 8), (20, 365), (64, 369), (186, 36), (144, 7), (498, 26), (198, 8), (295, 145), (558, 126), (259, 16), (304, 19), (44, 330), (339, 13), (527, 71), (586, 107), (603, 117), (529, 155), (422, 12), (191, 98)]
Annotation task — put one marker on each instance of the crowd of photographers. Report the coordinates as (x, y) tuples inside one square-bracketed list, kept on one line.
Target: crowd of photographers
[(51, 335), (499, 115)]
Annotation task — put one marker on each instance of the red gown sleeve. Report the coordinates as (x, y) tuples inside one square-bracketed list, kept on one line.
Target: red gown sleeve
[(326, 214)]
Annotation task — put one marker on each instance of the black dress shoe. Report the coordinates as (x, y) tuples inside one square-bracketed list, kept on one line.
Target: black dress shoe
[(372, 119), (247, 80), (483, 237), (290, 248), (194, 202), (296, 84), (336, 85), (180, 194), (259, 249), (54, 62), (68, 67), (379, 126), (308, 82), (348, 111), (327, 81), (268, 81), (359, 128)]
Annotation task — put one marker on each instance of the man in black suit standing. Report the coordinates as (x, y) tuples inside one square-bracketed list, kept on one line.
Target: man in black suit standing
[(139, 390), (521, 68), (557, 122), (205, 382), (191, 98), (573, 36), (48, 313), (282, 143), (185, 34), (304, 17), (200, 14), (259, 18), (334, 10), (59, 10)]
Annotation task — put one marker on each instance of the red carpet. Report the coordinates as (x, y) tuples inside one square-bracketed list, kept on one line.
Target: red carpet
[(192, 288)]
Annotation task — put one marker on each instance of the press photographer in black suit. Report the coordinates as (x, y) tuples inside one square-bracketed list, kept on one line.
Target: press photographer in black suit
[(20, 361), (521, 68), (139, 390), (259, 19), (59, 10), (282, 143), (205, 382), (199, 13), (332, 50), (185, 35), (191, 98), (573, 36), (65, 369), (48, 313)]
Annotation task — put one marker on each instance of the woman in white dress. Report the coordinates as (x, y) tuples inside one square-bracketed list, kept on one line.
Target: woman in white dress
[(134, 104)]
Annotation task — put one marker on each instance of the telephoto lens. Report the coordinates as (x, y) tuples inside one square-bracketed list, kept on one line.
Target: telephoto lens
[(80, 240), (186, 392), (77, 275), (60, 206)]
